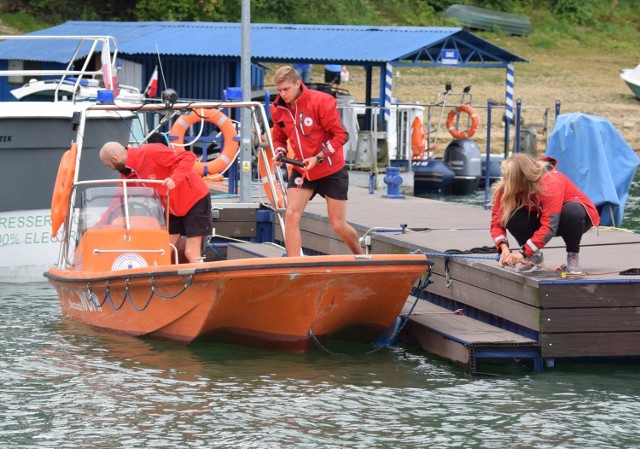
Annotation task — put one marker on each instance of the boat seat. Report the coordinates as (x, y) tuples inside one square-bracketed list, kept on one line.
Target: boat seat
[(106, 249)]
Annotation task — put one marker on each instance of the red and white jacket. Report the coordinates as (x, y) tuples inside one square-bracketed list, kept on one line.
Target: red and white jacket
[(312, 127), (557, 190), (157, 161)]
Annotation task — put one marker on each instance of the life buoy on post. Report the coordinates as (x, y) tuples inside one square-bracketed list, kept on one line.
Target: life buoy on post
[(62, 188), (474, 122), (229, 133)]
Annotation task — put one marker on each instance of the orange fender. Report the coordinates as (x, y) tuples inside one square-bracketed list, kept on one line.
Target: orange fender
[(474, 122), (418, 138), (226, 126), (62, 188)]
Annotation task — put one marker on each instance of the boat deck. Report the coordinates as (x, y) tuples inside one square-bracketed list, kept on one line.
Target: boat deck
[(590, 316)]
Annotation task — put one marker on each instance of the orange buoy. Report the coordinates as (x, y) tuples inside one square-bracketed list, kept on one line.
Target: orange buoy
[(62, 188), (229, 133), (418, 138), (474, 122)]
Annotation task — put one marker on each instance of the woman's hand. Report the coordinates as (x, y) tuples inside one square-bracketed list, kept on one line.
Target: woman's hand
[(509, 258)]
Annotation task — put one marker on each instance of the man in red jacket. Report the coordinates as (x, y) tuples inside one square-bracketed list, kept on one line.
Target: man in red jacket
[(310, 122), (190, 202)]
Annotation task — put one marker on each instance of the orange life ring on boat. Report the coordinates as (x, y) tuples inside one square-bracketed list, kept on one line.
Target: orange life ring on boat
[(474, 122), (226, 126), (262, 170), (418, 138), (62, 188)]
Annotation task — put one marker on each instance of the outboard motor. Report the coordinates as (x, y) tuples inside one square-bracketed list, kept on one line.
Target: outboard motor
[(431, 176), (463, 156)]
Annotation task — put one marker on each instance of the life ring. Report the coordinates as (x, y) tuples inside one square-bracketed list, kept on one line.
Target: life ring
[(262, 171), (474, 122), (62, 188), (226, 126), (418, 139)]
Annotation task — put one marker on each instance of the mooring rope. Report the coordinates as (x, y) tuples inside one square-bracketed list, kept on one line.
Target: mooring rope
[(128, 298)]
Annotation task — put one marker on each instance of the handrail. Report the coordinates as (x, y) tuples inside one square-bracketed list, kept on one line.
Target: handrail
[(107, 43)]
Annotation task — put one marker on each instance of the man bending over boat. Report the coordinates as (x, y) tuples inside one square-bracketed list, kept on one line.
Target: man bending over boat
[(309, 120), (190, 203)]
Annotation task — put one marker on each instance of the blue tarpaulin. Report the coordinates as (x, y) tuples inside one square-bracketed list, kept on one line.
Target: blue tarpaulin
[(593, 154)]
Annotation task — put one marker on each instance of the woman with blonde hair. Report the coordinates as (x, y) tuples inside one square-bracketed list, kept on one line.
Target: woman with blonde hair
[(535, 203)]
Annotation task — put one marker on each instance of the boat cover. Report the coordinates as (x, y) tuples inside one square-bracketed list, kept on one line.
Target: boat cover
[(593, 154)]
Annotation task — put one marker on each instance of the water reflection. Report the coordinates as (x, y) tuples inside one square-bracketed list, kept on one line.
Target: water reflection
[(64, 385)]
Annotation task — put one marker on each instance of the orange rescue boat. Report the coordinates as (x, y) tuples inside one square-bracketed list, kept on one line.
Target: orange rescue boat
[(118, 270)]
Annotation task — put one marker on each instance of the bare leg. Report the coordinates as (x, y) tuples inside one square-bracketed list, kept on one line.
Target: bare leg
[(193, 249), (337, 211), (297, 201)]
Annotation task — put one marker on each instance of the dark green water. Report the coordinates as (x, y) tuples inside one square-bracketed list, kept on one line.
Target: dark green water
[(63, 385)]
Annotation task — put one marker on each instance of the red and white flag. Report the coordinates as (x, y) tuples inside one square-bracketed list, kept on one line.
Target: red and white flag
[(152, 87), (108, 71)]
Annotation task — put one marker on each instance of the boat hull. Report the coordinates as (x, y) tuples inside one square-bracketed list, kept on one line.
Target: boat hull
[(278, 303), (632, 78), (30, 149)]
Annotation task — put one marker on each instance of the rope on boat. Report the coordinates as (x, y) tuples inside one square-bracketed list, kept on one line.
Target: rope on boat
[(319, 345), (391, 340), (127, 295)]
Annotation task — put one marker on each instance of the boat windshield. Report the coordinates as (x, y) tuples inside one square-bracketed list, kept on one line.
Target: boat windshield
[(105, 207)]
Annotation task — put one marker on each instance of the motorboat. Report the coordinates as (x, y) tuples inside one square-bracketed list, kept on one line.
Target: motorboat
[(118, 271), (632, 78)]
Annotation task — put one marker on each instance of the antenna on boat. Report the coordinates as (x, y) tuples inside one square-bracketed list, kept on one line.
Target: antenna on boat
[(164, 81)]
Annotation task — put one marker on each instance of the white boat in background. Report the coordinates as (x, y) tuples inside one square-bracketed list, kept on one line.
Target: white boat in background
[(33, 137), (632, 78), (72, 89)]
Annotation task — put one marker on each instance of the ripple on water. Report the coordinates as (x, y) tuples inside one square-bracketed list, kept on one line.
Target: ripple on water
[(63, 385)]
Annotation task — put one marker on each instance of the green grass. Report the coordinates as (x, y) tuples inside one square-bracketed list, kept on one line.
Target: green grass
[(21, 23)]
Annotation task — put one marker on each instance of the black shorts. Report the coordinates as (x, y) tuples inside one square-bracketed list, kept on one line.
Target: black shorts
[(198, 220), (334, 186)]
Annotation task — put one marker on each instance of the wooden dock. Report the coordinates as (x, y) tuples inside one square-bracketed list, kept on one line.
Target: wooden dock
[(590, 316), (540, 317)]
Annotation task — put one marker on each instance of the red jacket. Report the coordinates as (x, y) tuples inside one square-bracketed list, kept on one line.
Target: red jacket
[(558, 190), (157, 161), (314, 120)]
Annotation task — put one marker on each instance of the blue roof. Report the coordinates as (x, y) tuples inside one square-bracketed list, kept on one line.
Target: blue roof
[(345, 44)]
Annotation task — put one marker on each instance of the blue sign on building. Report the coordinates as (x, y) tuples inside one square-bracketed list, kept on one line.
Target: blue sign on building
[(449, 57)]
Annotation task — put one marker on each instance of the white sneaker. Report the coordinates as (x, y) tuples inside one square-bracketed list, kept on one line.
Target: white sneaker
[(530, 264), (573, 263)]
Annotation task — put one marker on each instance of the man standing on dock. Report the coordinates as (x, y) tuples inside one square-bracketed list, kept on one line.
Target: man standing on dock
[(310, 122)]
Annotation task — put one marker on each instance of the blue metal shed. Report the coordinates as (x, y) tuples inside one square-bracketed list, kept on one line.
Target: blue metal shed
[(201, 59)]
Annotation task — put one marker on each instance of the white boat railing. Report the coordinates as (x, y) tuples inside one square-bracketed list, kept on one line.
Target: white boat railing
[(260, 132), (106, 46)]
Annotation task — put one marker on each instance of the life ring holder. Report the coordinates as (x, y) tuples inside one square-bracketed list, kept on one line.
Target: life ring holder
[(472, 128), (229, 133), (62, 188)]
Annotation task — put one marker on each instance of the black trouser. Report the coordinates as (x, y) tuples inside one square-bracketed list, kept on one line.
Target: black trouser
[(574, 222)]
